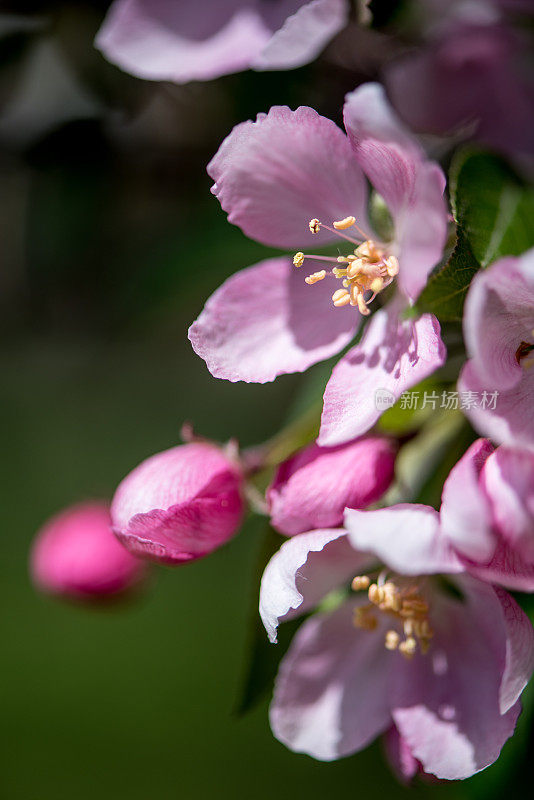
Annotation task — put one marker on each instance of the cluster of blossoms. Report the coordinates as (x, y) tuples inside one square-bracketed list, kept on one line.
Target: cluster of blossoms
[(423, 643)]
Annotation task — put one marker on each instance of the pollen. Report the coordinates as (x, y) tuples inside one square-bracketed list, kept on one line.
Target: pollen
[(367, 270), (401, 601), (343, 224), (316, 276)]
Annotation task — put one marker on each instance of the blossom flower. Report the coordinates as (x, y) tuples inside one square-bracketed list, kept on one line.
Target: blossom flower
[(312, 488), (179, 505), (471, 78), (499, 335), (272, 176), (180, 41), (76, 555), (421, 646), (487, 513)]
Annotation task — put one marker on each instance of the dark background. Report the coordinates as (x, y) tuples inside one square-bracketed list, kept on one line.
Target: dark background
[(109, 244)]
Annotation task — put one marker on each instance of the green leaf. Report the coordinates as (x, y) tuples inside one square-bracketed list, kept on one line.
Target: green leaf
[(493, 211), (492, 206), (445, 292)]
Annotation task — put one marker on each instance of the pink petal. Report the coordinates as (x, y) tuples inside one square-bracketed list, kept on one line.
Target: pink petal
[(498, 317), (399, 755), (506, 567), (178, 41), (466, 517), (180, 504), (447, 703), (303, 571), (406, 538), (265, 321), (303, 35), (508, 479), (274, 175), (76, 555), (519, 662), (411, 186), (510, 422), (331, 693), (393, 356), (313, 488)]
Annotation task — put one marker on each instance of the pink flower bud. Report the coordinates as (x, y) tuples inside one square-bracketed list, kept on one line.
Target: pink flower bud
[(312, 489), (76, 555), (179, 505)]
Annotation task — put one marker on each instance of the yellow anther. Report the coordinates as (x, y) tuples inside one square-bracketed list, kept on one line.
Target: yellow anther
[(392, 266), (376, 285), (414, 605), (339, 273), (315, 226), (376, 594), (362, 308), (360, 582), (315, 277), (408, 647), (298, 259), (364, 618), (392, 640), (355, 267), (343, 224), (341, 298)]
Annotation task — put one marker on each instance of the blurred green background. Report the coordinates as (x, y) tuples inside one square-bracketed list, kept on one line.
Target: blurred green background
[(110, 243)]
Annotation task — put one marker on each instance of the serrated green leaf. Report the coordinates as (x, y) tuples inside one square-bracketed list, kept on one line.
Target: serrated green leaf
[(445, 292), (493, 211), (491, 205)]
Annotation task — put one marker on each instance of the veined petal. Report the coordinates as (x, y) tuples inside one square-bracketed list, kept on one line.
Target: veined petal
[(510, 422), (331, 695), (519, 663), (179, 41), (393, 355), (313, 488), (274, 175), (303, 571), (466, 518), (450, 719), (303, 35), (265, 321), (411, 186), (508, 478), (405, 537), (498, 317)]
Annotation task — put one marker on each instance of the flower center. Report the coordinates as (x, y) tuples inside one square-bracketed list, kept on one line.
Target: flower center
[(367, 271), (524, 350), (404, 603)]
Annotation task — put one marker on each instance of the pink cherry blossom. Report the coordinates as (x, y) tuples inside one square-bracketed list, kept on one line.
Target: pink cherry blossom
[(76, 555), (487, 513), (441, 659), (181, 40), (472, 78), (291, 176), (312, 489), (499, 335), (179, 505)]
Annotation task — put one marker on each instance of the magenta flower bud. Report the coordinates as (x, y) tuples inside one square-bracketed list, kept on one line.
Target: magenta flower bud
[(76, 555), (312, 489), (180, 504)]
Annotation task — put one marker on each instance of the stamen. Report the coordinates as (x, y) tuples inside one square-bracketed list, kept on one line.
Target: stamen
[(341, 298), (368, 271), (392, 640), (343, 224), (360, 582), (315, 277)]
